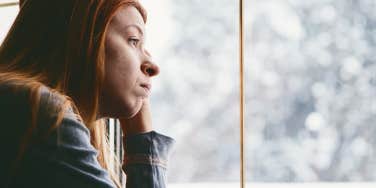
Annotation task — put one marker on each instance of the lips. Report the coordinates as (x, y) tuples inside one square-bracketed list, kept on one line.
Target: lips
[(147, 88)]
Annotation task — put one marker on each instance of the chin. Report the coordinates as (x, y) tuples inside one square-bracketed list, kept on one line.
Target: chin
[(132, 110), (122, 108)]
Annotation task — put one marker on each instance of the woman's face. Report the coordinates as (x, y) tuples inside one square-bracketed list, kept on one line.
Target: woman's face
[(128, 66)]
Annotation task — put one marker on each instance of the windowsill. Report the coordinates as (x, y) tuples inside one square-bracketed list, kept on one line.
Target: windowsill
[(273, 185)]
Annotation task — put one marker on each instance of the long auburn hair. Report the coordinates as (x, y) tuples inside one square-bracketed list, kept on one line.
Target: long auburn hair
[(61, 45)]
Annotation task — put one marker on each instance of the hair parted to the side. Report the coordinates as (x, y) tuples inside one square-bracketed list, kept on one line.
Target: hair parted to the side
[(60, 44)]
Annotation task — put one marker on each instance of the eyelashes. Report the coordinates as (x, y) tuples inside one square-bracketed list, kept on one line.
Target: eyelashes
[(134, 41)]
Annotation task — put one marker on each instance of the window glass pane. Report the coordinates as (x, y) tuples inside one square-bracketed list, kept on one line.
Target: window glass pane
[(196, 96), (311, 87), (7, 16)]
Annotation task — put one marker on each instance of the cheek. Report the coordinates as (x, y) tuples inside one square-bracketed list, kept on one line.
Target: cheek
[(119, 62), (120, 56), (114, 48), (120, 79)]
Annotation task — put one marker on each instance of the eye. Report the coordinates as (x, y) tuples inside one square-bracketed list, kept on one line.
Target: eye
[(134, 41)]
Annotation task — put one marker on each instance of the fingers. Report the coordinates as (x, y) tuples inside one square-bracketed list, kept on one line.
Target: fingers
[(140, 123)]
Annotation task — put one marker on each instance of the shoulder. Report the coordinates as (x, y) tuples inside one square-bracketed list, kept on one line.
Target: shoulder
[(60, 141), (60, 128), (33, 106), (58, 115), (51, 100), (68, 151), (27, 97), (43, 111)]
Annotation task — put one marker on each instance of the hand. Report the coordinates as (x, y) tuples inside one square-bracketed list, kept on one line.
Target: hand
[(140, 123)]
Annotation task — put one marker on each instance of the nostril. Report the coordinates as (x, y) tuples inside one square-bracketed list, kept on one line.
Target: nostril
[(150, 71)]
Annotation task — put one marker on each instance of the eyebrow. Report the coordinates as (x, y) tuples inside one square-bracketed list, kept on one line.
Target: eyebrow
[(137, 27)]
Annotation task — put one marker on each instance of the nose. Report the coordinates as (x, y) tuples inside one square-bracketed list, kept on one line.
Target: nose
[(149, 68)]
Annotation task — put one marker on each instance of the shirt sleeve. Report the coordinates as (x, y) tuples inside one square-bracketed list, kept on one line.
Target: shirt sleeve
[(146, 158)]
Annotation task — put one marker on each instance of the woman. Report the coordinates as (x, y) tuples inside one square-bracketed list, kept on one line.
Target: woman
[(66, 66)]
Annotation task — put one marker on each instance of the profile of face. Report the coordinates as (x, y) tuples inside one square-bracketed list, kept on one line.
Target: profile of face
[(128, 65)]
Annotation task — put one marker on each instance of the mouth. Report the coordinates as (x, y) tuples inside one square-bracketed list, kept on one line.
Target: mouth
[(147, 87)]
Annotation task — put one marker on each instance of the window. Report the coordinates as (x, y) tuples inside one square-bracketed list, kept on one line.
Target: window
[(311, 78), (8, 13)]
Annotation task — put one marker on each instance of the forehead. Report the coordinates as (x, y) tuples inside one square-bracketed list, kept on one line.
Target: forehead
[(127, 15)]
